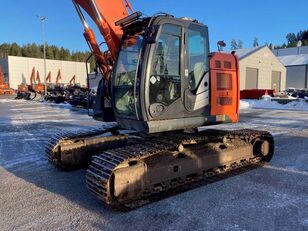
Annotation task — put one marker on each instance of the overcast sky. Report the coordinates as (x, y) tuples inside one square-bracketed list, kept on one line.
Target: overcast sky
[(267, 20)]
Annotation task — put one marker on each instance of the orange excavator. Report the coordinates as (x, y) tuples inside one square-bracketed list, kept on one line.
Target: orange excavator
[(161, 86), (39, 87), (78, 95), (26, 91), (56, 93), (4, 87), (31, 91)]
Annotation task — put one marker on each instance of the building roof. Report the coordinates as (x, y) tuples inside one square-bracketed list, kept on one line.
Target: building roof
[(294, 60), (291, 51), (243, 53)]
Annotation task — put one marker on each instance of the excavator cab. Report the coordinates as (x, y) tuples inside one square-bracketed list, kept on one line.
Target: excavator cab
[(163, 77), (158, 73)]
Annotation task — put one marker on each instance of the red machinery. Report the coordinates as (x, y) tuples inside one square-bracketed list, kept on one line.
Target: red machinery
[(256, 93)]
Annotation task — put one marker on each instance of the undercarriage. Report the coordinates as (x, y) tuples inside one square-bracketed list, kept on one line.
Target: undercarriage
[(130, 170)]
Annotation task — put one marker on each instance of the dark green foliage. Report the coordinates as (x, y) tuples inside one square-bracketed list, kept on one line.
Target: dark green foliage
[(255, 42), (293, 39), (236, 44), (36, 51)]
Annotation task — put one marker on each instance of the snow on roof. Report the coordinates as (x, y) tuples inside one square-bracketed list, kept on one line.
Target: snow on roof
[(293, 60)]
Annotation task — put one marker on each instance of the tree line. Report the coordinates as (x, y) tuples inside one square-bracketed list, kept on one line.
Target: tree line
[(292, 40), (295, 39), (36, 51)]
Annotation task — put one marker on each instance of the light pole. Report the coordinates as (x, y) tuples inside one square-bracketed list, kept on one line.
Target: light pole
[(43, 19)]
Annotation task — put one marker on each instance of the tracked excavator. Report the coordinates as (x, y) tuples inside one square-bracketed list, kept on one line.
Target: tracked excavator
[(25, 91), (160, 85), (56, 92)]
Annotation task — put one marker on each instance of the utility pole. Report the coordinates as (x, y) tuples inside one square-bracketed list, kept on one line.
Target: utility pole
[(43, 19)]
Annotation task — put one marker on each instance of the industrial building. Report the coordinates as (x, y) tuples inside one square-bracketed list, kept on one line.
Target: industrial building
[(261, 69), (296, 61), (18, 70), (297, 70), (291, 51)]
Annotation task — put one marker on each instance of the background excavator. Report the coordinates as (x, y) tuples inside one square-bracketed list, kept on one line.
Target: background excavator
[(56, 92), (38, 86), (160, 85), (34, 90), (78, 95), (4, 87), (25, 91)]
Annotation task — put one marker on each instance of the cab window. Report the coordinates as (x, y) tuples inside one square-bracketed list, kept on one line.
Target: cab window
[(165, 79), (197, 46)]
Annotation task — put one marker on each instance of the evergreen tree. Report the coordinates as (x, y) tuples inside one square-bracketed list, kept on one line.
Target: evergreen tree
[(240, 44), (292, 40), (52, 52), (255, 42), (234, 45), (4, 50)]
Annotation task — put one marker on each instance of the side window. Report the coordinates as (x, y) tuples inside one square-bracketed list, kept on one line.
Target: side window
[(197, 55), (165, 79)]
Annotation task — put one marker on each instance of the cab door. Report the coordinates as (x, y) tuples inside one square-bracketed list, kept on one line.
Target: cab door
[(164, 79), (196, 95)]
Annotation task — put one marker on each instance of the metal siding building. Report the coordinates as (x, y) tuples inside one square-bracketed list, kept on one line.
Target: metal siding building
[(297, 70), (261, 69), (18, 69), (291, 51)]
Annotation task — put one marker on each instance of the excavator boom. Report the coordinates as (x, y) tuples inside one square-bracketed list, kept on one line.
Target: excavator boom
[(72, 82), (38, 79), (48, 78), (105, 15), (32, 77), (58, 78)]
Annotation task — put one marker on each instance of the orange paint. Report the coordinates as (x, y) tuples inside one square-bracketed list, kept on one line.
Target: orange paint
[(225, 85)]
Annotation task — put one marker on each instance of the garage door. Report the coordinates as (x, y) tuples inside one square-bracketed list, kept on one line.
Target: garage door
[(251, 78), (276, 79)]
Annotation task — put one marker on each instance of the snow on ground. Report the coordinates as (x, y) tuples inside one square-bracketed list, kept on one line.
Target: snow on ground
[(268, 104), (34, 195)]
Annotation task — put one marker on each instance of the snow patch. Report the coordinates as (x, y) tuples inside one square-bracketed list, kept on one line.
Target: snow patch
[(244, 104), (267, 104)]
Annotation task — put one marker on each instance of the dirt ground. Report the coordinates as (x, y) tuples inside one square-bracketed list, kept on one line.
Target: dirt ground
[(34, 195)]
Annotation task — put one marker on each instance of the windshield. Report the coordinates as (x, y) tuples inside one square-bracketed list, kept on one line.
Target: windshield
[(125, 75)]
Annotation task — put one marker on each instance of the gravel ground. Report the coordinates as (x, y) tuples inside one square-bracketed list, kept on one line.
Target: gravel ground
[(36, 196)]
